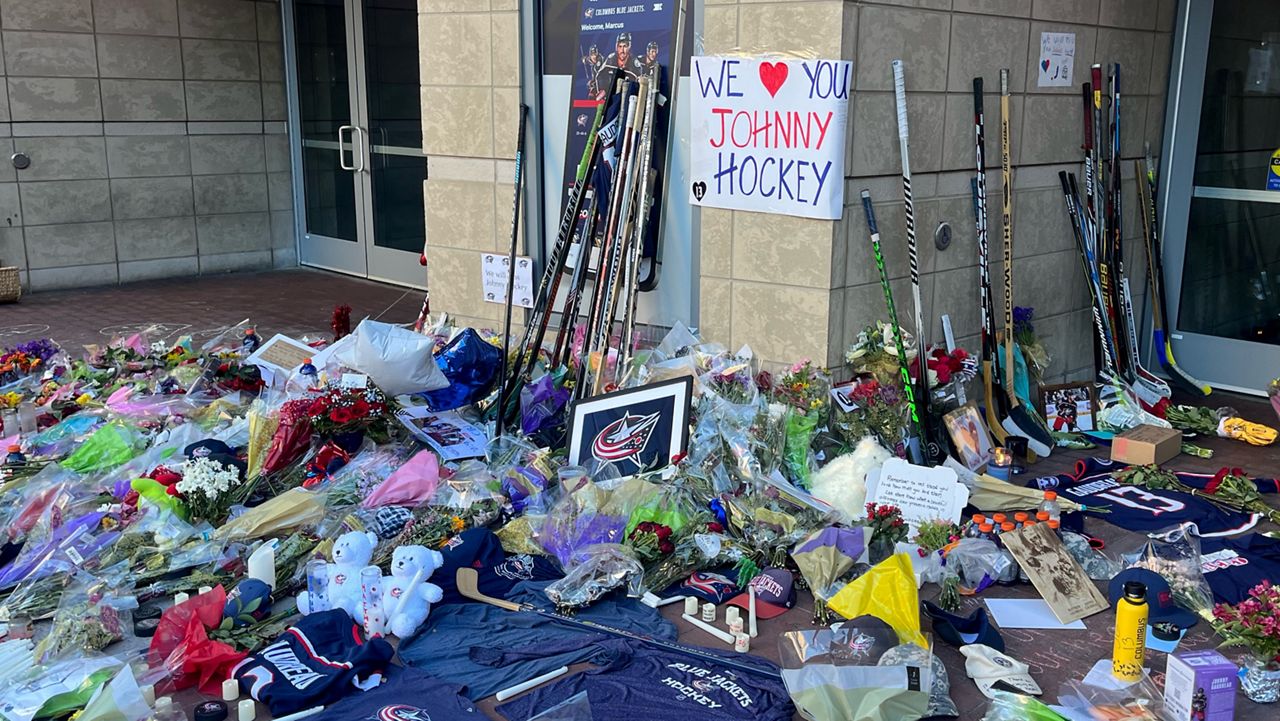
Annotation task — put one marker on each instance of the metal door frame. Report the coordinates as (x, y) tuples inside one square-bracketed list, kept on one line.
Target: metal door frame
[(363, 258), (1202, 355)]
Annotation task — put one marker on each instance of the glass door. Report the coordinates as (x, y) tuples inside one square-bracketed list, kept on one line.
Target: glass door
[(359, 130), (1222, 221)]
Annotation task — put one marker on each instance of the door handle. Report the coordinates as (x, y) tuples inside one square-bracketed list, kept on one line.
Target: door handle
[(358, 156), (342, 160)]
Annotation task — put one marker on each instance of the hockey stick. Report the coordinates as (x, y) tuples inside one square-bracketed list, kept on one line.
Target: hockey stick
[(1079, 225), (915, 447), (511, 265), (930, 450), (992, 400), (1019, 422), (544, 299), (644, 199), (468, 581), (1155, 279)]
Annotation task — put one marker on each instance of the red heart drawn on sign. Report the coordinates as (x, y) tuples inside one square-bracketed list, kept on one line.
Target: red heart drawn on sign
[(772, 76)]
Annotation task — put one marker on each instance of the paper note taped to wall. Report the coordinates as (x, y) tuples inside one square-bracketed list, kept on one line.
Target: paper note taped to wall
[(769, 135), (493, 267), (1057, 59)]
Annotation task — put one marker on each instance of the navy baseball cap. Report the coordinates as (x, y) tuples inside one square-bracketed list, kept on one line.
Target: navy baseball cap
[(1161, 607), (775, 593), (710, 586)]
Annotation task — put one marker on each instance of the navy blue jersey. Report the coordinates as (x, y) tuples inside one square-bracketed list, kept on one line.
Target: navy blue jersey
[(317, 661), (405, 695), (1142, 509), (1232, 566), (651, 683)]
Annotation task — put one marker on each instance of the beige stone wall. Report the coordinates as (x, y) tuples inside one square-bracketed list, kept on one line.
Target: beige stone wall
[(470, 102)]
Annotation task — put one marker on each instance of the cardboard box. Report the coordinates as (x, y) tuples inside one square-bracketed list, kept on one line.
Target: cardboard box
[(1199, 686), (1146, 444)]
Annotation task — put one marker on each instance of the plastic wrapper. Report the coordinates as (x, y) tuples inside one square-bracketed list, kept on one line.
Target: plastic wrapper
[(575, 708), (580, 519), (470, 484), (109, 446), (291, 439), (57, 440), (1006, 706), (59, 688), (58, 545), (1174, 553), (263, 422), (1141, 701), (800, 430), (119, 700), (603, 568), (978, 563), (91, 616), (396, 359), (825, 557), (888, 592), (1121, 409), (542, 408), (836, 674), (411, 484), (182, 646), (1097, 565), (295, 508), (470, 364)]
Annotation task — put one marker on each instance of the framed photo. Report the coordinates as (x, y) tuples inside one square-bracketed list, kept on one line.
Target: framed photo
[(637, 429), (969, 436), (1069, 407)]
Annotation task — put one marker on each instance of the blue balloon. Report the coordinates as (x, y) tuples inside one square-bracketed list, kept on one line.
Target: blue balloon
[(471, 364)]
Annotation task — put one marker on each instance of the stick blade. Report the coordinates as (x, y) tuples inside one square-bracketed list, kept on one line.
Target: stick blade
[(468, 581)]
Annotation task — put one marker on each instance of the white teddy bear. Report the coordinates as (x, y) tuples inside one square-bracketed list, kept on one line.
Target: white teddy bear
[(406, 562), (351, 553)]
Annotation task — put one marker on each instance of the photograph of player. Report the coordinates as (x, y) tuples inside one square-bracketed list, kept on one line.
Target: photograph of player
[(1068, 408), (593, 61), (650, 59), (620, 58)]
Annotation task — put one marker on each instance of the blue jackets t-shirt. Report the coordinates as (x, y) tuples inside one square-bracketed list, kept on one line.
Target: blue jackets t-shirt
[(320, 659), (1232, 566), (405, 695), (488, 648), (1143, 509), (646, 682)]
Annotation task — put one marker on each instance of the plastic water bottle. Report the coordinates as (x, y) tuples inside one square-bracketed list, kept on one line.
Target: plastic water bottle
[(15, 459), (250, 343), (975, 526), (308, 372), (1050, 505)]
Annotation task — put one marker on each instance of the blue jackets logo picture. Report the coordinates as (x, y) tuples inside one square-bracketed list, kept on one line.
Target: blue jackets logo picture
[(624, 438)]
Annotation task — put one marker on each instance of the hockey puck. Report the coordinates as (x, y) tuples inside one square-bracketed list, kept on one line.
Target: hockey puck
[(145, 627), (211, 711)]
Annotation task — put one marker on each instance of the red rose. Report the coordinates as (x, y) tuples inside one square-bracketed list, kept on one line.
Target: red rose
[(172, 490), (714, 527), (662, 532), (665, 547), (360, 408), (340, 415)]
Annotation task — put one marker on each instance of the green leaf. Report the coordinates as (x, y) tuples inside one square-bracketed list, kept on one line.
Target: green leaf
[(251, 606)]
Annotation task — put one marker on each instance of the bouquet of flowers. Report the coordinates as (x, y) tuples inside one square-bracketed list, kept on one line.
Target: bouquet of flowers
[(804, 388), (1253, 623), (1229, 489), (875, 352), (877, 411), (16, 363), (888, 528), (291, 438), (205, 489), (340, 410), (650, 541), (231, 375), (1024, 334)]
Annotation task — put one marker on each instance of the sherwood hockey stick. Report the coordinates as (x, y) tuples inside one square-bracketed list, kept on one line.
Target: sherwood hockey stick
[(1019, 422), (930, 450), (468, 581), (915, 441), (511, 263), (1155, 279), (993, 400), (544, 299)]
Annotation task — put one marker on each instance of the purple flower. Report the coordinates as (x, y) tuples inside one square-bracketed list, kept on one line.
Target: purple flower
[(1022, 319), (42, 348)]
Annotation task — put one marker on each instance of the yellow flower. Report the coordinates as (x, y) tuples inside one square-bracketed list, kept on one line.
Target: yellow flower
[(457, 524)]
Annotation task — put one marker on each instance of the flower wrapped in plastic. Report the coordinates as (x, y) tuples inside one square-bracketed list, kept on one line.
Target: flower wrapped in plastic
[(291, 438), (91, 616), (601, 568), (580, 519), (1174, 553)]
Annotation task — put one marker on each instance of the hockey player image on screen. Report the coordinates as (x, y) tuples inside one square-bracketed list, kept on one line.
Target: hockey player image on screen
[(650, 59), (622, 59), (593, 61)]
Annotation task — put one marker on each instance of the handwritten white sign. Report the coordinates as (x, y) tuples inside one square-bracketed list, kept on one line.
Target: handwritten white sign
[(922, 493), (493, 267), (1057, 59), (769, 135)]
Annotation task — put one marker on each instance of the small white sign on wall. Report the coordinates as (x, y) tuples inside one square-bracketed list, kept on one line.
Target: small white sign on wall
[(1057, 59), (493, 269)]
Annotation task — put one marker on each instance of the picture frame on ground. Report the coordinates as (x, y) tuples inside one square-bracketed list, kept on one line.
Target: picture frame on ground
[(1069, 407), (637, 430), (969, 436)]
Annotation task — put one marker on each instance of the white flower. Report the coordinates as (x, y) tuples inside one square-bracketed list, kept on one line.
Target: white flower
[(207, 476)]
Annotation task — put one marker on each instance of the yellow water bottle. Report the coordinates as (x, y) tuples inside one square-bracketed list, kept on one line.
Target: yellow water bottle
[(1130, 647)]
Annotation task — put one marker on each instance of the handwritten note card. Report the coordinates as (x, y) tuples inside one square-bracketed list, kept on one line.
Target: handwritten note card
[(922, 493), (1057, 59), (493, 266), (769, 135)]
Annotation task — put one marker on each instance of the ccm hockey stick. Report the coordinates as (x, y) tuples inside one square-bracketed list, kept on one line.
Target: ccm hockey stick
[(511, 263), (468, 581), (930, 450), (1155, 277), (1020, 421), (994, 399), (915, 438)]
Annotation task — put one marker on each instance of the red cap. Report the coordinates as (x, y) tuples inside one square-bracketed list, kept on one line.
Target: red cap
[(15, 448)]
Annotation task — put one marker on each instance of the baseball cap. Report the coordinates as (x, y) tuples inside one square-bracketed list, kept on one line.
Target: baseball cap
[(479, 548), (1160, 604), (708, 586), (994, 671), (775, 593)]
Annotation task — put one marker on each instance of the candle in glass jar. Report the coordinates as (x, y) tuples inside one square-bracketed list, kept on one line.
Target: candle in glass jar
[(1001, 461)]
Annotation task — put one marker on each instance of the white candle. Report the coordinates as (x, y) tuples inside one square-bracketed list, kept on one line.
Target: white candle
[(180, 598), (735, 626), (751, 611), (732, 614), (164, 706), (262, 564), (204, 589), (709, 612), (741, 643), (148, 694), (691, 606), (507, 693), (230, 690), (246, 710), (723, 636)]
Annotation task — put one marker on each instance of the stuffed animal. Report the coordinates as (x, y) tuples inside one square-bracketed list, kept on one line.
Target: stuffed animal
[(843, 481), (411, 566), (351, 553)]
